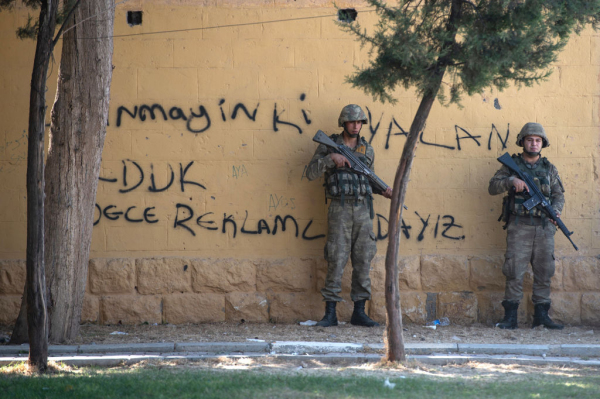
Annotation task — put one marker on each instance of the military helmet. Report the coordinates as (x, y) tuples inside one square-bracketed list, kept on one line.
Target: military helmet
[(352, 112), (533, 129)]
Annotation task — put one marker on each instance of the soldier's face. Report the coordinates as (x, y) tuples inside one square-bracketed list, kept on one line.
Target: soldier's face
[(353, 128), (532, 144)]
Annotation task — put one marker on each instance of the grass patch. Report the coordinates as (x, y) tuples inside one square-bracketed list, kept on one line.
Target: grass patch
[(178, 382)]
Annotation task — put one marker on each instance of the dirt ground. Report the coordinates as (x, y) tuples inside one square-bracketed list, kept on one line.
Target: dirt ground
[(240, 332)]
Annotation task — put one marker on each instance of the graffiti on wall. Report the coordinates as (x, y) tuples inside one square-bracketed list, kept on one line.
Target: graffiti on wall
[(16, 152), (134, 177), (130, 183), (395, 129), (198, 120), (185, 219), (448, 228), (201, 118)]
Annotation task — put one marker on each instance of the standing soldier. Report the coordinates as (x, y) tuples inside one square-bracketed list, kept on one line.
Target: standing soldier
[(530, 234), (350, 217)]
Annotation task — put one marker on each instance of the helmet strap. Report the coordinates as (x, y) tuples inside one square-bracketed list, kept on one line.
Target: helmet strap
[(532, 154), (352, 136)]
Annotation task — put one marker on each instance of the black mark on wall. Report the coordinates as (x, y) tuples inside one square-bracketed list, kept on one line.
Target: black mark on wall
[(468, 136), (133, 214), (503, 141), (277, 121), (185, 213), (133, 177), (198, 120), (382, 228)]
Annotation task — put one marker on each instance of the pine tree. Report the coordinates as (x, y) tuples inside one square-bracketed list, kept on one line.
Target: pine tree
[(467, 46)]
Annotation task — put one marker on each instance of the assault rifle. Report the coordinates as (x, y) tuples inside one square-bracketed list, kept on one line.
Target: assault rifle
[(536, 198), (356, 164)]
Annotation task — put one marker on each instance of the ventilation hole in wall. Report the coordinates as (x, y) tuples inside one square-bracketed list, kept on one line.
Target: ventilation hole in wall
[(134, 18), (347, 15)]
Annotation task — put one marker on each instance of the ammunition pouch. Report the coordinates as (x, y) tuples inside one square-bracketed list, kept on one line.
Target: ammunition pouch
[(343, 183)]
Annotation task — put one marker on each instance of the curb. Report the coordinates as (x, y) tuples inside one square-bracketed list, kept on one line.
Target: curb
[(330, 358), (327, 352)]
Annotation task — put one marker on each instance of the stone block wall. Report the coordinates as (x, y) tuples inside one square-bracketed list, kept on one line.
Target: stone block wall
[(176, 290), (204, 212)]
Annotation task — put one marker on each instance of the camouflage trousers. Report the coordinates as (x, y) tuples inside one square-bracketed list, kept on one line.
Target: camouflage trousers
[(349, 233), (529, 241)]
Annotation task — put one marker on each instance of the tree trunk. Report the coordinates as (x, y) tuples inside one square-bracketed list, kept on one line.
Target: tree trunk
[(36, 278), (77, 133), (395, 342)]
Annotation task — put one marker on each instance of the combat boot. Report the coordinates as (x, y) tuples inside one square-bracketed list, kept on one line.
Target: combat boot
[(541, 318), (330, 318), (359, 317), (510, 315)]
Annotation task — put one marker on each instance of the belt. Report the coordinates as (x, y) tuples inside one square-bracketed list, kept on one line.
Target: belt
[(348, 200), (529, 221)]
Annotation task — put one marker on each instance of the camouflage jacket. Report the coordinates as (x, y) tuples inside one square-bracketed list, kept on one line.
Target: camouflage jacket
[(501, 182), (322, 164)]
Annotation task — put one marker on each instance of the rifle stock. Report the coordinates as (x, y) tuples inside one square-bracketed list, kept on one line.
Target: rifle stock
[(536, 196)]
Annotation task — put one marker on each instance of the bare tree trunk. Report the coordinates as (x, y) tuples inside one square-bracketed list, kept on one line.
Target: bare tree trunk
[(395, 342), (36, 278), (78, 129)]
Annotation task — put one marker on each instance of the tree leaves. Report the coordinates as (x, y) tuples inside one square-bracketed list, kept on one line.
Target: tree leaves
[(499, 42)]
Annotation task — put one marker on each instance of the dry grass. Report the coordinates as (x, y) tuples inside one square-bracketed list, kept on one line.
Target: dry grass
[(312, 367)]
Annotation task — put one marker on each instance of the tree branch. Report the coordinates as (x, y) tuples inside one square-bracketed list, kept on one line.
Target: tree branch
[(62, 27)]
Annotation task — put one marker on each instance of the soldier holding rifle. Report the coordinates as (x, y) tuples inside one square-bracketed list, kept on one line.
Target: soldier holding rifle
[(530, 233), (350, 215)]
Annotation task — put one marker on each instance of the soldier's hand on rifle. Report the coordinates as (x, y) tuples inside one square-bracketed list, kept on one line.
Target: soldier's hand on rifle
[(340, 160), (519, 185), (387, 193), (554, 221)]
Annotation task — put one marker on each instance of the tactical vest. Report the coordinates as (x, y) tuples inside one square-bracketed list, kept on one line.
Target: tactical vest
[(343, 183), (541, 176)]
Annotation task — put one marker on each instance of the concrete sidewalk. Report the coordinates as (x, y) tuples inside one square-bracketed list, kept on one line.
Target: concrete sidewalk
[(327, 352)]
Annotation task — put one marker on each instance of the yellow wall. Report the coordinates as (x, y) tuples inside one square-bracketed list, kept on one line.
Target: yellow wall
[(250, 171)]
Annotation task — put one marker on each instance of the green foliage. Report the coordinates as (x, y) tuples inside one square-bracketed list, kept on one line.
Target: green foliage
[(167, 381), (497, 42), (31, 28), (9, 4)]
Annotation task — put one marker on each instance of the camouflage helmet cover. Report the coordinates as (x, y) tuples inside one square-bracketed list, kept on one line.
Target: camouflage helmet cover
[(352, 112), (533, 129)]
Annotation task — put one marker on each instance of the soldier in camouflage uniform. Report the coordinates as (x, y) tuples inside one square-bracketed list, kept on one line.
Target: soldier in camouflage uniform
[(530, 235), (350, 217)]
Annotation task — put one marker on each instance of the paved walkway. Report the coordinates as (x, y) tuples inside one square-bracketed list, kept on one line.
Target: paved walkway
[(326, 352)]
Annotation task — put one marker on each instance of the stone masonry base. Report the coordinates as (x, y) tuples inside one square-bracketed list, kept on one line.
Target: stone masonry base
[(466, 289)]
